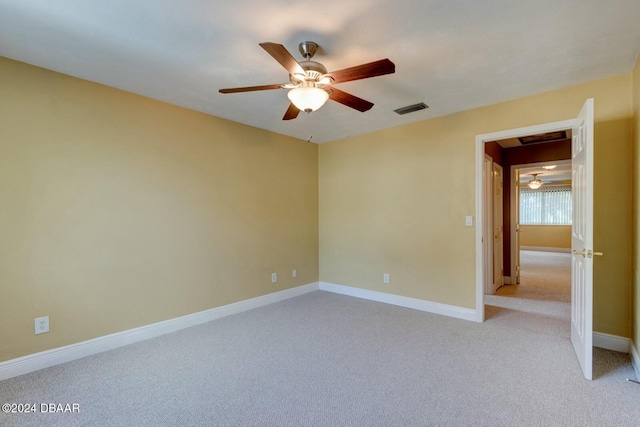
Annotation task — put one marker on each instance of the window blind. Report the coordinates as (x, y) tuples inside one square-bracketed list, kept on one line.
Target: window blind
[(548, 205)]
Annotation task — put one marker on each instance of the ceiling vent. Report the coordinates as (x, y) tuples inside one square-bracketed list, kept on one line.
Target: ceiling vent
[(411, 108), (543, 137)]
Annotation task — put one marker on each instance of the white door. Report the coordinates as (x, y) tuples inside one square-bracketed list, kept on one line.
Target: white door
[(487, 231), (498, 267), (582, 239), (515, 241)]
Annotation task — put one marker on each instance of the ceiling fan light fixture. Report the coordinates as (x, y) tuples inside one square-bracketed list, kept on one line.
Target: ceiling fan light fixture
[(308, 98), (535, 183), (550, 167)]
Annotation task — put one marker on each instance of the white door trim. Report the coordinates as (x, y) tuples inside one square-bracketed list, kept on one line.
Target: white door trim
[(481, 139)]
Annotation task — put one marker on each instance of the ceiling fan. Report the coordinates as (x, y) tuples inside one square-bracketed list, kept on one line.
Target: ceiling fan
[(311, 84), (535, 182)]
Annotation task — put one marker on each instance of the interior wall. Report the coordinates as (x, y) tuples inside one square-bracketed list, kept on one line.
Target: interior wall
[(546, 236), (495, 151), (395, 201), (120, 211)]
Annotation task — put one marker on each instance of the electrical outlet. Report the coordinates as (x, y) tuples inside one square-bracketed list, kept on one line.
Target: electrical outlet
[(41, 325), (274, 277), (385, 277), (294, 273)]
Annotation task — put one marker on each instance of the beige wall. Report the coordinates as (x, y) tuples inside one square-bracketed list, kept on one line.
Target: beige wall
[(395, 201), (636, 203), (119, 211), (546, 236)]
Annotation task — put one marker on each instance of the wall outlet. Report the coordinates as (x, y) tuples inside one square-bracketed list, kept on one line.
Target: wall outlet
[(41, 325), (274, 277), (385, 277), (294, 273)]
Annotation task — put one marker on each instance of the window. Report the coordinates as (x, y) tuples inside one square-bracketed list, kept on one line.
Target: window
[(550, 205)]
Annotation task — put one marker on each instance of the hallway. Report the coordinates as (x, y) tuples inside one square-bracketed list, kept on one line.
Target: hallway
[(545, 276), (545, 286)]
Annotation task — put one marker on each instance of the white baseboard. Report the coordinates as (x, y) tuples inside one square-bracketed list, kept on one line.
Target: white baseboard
[(611, 342), (33, 362), (408, 302), (545, 249), (635, 359), (507, 280)]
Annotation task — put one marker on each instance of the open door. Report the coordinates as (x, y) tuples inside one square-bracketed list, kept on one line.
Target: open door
[(582, 239), (487, 226), (498, 267), (515, 240)]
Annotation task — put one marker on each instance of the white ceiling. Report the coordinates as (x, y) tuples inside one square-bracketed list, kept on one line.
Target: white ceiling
[(562, 172), (453, 55)]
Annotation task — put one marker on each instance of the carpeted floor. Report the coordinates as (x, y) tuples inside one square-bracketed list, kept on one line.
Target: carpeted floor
[(545, 286), (543, 276), (323, 359)]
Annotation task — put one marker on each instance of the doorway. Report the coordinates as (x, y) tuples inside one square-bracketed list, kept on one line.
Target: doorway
[(582, 229), (540, 238), (550, 146)]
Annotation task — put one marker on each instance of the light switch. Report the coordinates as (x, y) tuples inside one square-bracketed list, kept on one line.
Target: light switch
[(468, 221)]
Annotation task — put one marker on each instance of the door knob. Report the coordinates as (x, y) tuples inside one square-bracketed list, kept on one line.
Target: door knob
[(587, 253)]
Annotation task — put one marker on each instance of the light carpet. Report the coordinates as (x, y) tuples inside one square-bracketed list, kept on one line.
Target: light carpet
[(324, 359), (543, 276), (545, 286)]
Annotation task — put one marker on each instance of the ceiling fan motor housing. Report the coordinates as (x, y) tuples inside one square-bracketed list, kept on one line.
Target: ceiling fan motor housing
[(314, 70)]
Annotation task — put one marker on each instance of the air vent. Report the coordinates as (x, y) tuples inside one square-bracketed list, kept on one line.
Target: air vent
[(543, 137), (411, 108)]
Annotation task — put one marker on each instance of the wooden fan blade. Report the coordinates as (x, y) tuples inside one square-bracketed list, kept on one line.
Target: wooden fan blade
[(364, 71), (249, 88), (282, 55), (292, 112), (349, 100)]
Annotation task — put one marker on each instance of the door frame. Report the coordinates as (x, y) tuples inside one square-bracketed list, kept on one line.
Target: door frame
[(481, 139), (515, 246)]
